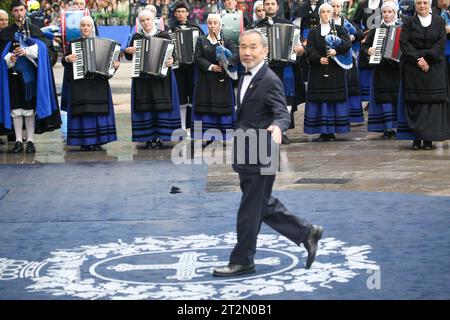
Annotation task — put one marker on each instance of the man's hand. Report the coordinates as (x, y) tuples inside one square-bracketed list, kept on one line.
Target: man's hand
[(298, 49), (20, 52), (13, 58), (276, 133), (216, 68), (169, 62), (71, 58)]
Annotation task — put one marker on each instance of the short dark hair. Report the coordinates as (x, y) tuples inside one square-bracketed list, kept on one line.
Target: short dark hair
[(181, 5), (17, 3), (278, 2)]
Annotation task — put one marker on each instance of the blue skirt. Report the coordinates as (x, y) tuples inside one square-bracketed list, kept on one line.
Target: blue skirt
[(323, 117), (364, 83), (213, 127), (90, 129), (382, 116), (151, 125), (355, 109)]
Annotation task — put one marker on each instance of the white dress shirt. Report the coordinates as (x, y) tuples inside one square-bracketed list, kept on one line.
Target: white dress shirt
[(248, 78)]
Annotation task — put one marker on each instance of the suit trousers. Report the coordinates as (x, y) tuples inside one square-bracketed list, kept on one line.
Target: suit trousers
[(257, 206)]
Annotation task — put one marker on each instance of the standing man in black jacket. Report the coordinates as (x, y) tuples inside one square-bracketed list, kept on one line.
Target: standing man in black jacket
[(289, 73), (261, 114), (185, 72)]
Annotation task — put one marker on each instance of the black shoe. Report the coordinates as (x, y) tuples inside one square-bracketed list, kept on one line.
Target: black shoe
[(311, 244), (385, 134), (18, 147), (159, 144), (323, 138), (30, 147), (85, 148), (392, 134), (417, 144), (234, 270), (427, 145), (331, 137), (97, 147), (285, 140), (149, 145)]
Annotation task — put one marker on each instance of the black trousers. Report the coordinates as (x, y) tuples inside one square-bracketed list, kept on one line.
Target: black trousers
[(257, 206), (185, 83)]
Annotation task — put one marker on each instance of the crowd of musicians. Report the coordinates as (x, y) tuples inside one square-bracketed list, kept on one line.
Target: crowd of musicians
[(408, 97)]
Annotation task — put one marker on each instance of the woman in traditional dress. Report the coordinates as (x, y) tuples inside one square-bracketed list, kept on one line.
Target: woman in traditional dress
[(326, 109), (155, 107), (424, 110), (354, 93), (90, 111), (214, 96), (385, 81)]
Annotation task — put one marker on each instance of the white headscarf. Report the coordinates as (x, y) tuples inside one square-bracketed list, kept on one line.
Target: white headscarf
[(255, 5), (217, 17), (323, 6), (392, 5), (91, 21), (147, 13)]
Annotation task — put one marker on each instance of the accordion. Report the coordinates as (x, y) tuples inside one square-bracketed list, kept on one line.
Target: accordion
[(387, 44), (95, 57), (151, 57), (282, 38), (184, 41)]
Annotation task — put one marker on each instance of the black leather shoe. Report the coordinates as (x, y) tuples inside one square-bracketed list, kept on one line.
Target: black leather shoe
[(97, 147), (18, 147), (30, 147), (159, 144), (323, 138), (234, 270), (331, 137), (312, 243), (392, 134), (427, 145), (417, 144), (285, 140)]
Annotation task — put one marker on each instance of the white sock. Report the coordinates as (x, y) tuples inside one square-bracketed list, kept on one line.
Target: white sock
[(29, 124), (289, 108), (18, 124), (183, 112)]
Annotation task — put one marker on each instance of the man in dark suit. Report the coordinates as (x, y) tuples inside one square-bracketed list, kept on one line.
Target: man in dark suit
[(261, 113)]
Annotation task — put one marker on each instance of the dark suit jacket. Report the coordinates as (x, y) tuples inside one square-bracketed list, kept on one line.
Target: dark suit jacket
[(264, 104)]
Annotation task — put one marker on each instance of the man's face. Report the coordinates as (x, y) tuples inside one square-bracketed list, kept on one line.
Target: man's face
[(251, 50), (79, 4), (19, 13), (3, 20), (230, 4), (181, 14), (271, 7), (442, 4)]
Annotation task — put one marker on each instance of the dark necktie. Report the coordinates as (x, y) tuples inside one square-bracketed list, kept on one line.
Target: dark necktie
[(248, 73)]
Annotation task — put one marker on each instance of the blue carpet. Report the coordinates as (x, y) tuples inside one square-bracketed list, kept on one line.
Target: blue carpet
[(115, 231)]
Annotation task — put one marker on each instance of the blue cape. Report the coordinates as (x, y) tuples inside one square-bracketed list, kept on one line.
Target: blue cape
[(46, 100), (344, 60)]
